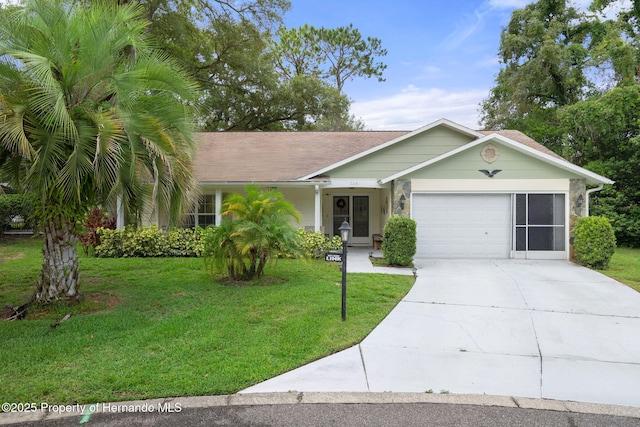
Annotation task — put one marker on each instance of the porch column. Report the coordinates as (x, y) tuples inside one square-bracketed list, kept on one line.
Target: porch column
[(318, 210), (119, 213), (218, 206), (402, 197)]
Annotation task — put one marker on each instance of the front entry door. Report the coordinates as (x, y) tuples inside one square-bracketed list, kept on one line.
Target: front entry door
[(354, 210)]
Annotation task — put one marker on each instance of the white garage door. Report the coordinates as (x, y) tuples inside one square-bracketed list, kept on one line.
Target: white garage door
[(462, 225)]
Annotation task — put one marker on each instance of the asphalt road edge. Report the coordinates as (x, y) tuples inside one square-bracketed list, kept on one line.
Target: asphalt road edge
[(177, 404)]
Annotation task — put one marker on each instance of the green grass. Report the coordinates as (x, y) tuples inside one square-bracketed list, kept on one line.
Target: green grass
[(625, 267), (161, 327)]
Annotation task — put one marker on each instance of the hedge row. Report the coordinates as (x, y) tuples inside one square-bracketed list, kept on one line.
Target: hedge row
[(150, 242), (185, 242)]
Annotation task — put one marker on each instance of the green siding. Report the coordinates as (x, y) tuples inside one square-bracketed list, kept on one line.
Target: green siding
[(404, 154), (514, 165)]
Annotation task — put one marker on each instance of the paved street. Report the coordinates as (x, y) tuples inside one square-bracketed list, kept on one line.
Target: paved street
[(350, 409)]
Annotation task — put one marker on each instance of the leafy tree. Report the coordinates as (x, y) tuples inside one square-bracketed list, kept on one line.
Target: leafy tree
[(256, 228), (226, 46), (602, 127), (335, 55), (544, 58), (242, 90), (616, 43), (91, 112), (603, 134)]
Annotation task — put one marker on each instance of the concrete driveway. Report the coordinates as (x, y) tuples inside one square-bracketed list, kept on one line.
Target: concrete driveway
[(540, 329)]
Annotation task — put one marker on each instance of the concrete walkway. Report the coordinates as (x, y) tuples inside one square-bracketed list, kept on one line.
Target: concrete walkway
[(532, 329), (358, 262)]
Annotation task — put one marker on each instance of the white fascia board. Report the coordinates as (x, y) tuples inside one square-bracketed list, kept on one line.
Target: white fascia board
[(354, 183), (263, 183), (592, 178), (441, 122)]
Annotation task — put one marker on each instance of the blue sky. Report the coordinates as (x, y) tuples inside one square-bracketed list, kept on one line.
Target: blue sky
[(441, 61)]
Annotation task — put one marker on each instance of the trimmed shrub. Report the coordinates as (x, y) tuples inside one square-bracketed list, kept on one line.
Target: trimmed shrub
[(594, 241), (110, 243), (150, 242), (399, 240), (186, 242), (145, 242), (315, 243)]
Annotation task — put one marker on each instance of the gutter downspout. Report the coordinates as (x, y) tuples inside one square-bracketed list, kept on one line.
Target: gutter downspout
[(593, 190)]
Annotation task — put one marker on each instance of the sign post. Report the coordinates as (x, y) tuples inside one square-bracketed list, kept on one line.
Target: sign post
[(345, 230)]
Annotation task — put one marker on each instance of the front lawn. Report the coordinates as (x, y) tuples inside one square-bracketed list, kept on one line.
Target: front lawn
[(625, 267), (160, 327)]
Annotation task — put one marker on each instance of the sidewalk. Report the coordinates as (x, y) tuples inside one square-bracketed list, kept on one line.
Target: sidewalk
[(358, 262)]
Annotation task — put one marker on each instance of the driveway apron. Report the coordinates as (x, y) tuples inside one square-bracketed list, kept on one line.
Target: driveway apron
[(540, 329)]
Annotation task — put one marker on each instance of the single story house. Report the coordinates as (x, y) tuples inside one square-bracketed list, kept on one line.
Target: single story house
[(473, 194)]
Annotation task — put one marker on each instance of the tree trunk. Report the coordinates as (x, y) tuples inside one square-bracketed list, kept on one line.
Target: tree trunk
[(59, 275), (261, 265)]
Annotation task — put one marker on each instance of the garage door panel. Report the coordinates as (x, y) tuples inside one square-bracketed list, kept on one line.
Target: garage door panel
[(463, 225)]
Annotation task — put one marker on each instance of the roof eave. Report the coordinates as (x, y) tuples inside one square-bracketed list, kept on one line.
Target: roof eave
[(287, 183)]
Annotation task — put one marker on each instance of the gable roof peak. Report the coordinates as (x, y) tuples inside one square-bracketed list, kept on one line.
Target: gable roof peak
[(442, 122)]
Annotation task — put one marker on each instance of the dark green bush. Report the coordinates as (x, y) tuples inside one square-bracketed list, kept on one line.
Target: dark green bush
[(12, 205), (594, 241), (399, 240)]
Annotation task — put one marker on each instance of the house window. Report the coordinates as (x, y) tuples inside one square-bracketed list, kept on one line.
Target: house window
[(540, 222), (204, 214)]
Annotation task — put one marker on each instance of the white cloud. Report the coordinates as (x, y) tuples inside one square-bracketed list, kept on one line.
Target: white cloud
[(489, 61), (472, 24), (465, 29), (611, 11), (508, 4), (432, 69), (414, 107)]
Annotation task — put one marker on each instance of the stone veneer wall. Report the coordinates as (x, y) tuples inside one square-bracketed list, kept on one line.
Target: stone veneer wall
[(402, 187), (577, 188)]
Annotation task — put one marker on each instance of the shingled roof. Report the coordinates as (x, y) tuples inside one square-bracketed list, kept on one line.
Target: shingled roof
[(287, 156), (277, 156), (520, 137)]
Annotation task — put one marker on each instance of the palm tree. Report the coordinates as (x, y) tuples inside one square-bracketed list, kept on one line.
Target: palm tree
[(90, 112), (255, 230)]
